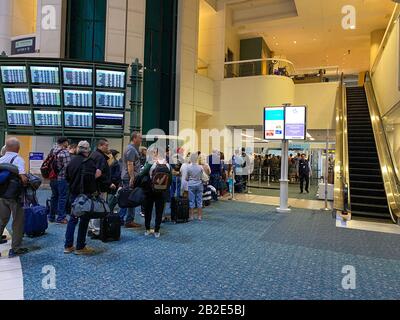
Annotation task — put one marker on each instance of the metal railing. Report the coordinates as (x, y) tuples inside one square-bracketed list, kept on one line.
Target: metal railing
[(390, 179), (259, 67), (317, 74), (342, 181)]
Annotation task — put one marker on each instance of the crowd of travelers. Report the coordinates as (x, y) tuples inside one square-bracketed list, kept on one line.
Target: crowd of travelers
[(77, 174)]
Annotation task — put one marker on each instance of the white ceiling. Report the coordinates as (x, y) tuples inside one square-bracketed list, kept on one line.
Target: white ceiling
[(316, 26)]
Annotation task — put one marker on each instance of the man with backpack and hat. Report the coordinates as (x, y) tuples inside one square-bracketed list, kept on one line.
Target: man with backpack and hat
[(12, 205)]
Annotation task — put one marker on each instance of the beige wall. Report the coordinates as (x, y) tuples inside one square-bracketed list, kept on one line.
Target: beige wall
[(241, 100), (385, 79), (320, 99)]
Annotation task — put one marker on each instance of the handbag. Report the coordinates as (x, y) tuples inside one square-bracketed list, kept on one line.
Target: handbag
[(94, 207), (130, 198), (137, 197)]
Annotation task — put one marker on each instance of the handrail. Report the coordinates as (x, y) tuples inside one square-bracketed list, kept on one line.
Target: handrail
[(392, 22), (390, 179), (254, 67), (342, 183)]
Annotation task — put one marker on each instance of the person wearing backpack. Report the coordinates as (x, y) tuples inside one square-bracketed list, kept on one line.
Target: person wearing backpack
[(14, 207), (57, 162), (158, 172)]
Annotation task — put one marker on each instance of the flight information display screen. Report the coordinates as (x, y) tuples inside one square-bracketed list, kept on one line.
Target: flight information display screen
[(78, 98), (78, 119), (110, 121), (13, 74), (110, 79), (46, 97), (19, 118), (78, 77), (45, 75), (112, 100), (47, 118), (16, 96)]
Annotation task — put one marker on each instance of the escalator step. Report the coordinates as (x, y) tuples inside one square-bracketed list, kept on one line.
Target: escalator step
[(365, 165), (378, 215), (367, 192), (370, 200)]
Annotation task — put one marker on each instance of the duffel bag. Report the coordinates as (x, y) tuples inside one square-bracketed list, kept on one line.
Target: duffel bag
[(94, 207), (130, 198)]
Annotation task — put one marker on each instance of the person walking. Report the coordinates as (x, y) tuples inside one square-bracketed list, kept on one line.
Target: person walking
[(13, 207), (131, 167), (304, 173), (58, 183), (195, 185), (81, 175), (158, 170)]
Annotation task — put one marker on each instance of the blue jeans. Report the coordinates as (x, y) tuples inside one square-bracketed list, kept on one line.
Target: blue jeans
[(196, 196), (82, 231), (128, 212), (59, 198), (175, 189)]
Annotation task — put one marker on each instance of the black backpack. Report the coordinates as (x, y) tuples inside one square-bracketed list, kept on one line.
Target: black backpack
[(11, 186), (161, 178)]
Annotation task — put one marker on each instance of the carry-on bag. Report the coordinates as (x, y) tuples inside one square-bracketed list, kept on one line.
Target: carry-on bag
[(110, 228), (179, 208), (35, 219)]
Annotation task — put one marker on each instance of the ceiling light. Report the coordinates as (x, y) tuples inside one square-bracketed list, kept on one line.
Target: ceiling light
[(277, 44), (295, 42), (314, 39), (353, 27)]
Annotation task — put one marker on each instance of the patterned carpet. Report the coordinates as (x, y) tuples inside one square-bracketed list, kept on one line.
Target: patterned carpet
[(240, 251)]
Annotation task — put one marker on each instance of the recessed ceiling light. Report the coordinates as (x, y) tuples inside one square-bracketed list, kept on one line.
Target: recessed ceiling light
[(295, 42), (352, 27), (277, 44), (314, 39)]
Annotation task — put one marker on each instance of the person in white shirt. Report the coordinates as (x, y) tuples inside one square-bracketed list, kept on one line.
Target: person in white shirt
[(14, 207)]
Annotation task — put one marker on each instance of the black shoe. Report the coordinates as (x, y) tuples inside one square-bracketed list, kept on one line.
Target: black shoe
[(307, 191)]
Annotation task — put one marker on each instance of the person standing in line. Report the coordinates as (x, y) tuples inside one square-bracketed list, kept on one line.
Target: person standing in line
[(131, 167), (304, 173), (73, 149), (13, 207), (59, 185), (115, 170), (81, 175), (195, 185), (104, 183), (157, 169)]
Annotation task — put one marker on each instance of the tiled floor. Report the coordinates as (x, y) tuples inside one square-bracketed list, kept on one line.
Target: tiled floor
[(11, 279)]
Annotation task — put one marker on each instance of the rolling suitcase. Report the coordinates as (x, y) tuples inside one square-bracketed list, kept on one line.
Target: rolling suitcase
[(110, 228), (35, 219), (179, 208)]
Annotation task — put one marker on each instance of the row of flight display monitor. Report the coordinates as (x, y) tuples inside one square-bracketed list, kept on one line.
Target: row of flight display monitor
[(72, 76), (71, 98), (72, 119)]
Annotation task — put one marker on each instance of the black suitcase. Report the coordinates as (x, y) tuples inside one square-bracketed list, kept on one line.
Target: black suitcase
[(110, 228), (179, 210)]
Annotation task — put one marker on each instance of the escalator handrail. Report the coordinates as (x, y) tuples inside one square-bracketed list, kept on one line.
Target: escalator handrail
[(386, 162), (342, 183)]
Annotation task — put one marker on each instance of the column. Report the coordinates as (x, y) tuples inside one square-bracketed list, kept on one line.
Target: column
[(5, 26), (376, 39)]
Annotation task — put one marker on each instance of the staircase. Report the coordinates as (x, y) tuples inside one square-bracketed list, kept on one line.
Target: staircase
[(367, 192)]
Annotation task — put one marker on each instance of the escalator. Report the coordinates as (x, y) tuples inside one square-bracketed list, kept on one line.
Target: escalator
[(367, 191)]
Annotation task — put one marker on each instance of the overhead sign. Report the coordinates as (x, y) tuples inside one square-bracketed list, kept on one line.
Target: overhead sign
[(23, 46), (295, 123), (274, 123)]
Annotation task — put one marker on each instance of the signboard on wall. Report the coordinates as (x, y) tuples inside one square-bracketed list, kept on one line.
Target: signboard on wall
[(35, 162), (23, 46), (274, 123)]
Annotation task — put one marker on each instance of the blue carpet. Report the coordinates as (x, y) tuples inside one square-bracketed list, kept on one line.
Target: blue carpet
[(240, 251)]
